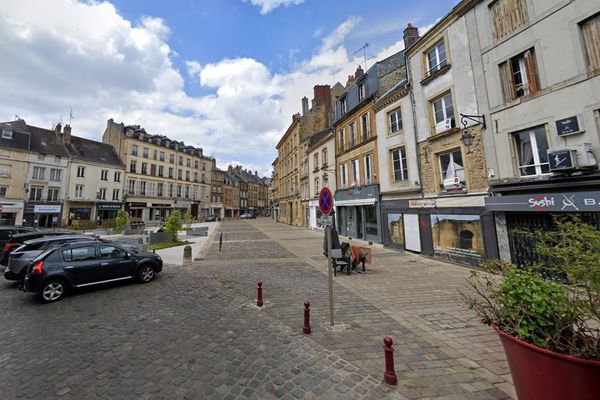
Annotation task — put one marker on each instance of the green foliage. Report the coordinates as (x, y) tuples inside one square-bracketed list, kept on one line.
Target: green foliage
[(554, 304), (188, 217), (166, 245), (173, 225), (77, 224), (121, 221)]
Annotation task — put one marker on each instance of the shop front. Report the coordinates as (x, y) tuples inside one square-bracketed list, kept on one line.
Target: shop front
[(11, 213), (401, 230), (182, 206), (516, 212), (159, 211), (106, 211), (42, 215), (358, 213), (315, 215)]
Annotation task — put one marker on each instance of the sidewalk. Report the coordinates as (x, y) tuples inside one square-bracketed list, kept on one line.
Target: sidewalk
[(174, 255)]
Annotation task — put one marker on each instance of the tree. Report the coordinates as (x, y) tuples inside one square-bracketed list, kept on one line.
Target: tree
[(173, 225), (121, 221), (188, 217)]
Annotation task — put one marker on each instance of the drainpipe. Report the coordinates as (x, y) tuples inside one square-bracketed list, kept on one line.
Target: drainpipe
[(415, 130)]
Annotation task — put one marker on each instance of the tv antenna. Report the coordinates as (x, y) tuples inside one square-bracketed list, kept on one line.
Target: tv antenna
[(366, 56), (71, 115)]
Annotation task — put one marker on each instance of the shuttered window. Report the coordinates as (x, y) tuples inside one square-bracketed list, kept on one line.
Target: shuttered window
[(519, 76), (591, 37), (507, 16)]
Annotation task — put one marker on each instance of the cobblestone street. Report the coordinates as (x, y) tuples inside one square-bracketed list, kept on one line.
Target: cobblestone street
[(195, 333)]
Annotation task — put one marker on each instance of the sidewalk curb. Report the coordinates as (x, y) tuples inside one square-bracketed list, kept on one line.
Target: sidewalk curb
[(204, 250)]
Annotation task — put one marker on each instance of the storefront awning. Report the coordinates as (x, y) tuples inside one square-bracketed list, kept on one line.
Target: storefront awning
[(357, 202)]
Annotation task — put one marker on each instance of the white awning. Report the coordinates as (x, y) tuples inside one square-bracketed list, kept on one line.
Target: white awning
[(357, 202)]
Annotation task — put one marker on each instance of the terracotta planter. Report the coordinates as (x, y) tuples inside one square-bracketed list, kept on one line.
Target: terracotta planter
[(539, 374)]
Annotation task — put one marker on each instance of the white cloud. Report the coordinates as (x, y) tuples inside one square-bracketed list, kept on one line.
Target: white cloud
[(105, 66), (266, 6)]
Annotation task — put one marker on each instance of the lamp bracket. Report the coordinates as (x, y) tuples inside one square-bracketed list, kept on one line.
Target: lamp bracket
[(479, 119)]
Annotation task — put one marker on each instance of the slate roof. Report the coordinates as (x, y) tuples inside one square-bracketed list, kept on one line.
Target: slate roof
[(44, 141), (93, 151), (20, 138)]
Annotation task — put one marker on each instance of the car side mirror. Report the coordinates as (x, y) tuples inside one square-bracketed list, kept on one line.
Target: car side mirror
[(129, 255)]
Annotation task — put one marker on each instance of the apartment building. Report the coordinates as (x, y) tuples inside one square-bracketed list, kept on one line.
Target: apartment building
[(216, 201), (321, 172), (231, 195), (162, 175)]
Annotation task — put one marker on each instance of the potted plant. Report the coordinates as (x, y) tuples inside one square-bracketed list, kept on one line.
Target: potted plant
[(547, 314)]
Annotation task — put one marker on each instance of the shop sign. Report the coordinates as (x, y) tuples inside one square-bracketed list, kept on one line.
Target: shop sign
[(46, 209), (109, 206), (137, 204), (549, 202), (11, 207), (567, 126), (422, 203), (358, 193), (181, 203)]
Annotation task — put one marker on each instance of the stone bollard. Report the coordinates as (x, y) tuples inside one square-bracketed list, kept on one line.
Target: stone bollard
[(306, 328), (259, 301), (187, 255), (390, 374)]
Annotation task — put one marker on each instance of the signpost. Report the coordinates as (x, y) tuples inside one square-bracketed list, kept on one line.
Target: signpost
[(326, 206)]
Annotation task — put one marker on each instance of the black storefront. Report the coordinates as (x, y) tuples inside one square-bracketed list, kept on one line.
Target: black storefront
[(107, 211), (530, 206), (358, 213)]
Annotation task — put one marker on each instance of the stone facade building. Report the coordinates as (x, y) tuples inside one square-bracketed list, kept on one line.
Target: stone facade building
[(321, 172), (216, 202)]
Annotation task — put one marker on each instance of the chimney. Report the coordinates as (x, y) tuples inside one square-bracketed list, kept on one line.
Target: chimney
[(304, 105), (66, 137), (359, 72), (57, 129), (411, 35), (255, 173), (350, 80)]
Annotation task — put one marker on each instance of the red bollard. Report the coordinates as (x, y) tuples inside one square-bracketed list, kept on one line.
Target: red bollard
[(306, 328), (259, 301), (390, 375)]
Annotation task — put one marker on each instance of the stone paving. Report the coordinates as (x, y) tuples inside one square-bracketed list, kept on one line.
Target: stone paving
[(194, 332)]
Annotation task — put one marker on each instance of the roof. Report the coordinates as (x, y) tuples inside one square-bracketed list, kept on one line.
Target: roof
[(318, 137), (91, 150), (44, 141), (395, 89), (20, 138)]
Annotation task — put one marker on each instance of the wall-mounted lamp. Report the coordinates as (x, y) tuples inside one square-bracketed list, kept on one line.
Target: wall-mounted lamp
[(467, 138)]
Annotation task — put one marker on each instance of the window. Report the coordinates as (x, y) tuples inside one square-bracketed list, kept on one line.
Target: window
[(117, 177), (178, 190), (590, 29), (452, 171), (171, 187), (507, 16), (104, 175), (519, 76), (395, 120), (112, 253), (344, 176), (354, 173), (172, 158), (153, 169), (187, 175), (365, 127), (143, 188), (154, 154), (324, 157), (316, 158), (38, 173), (144, 168), (115, 194), (369, 169), (81, 172), (5, 170), (203, 166), (36, 193), (161, 170), (361, 92), (160, 189), (343, 105), (53, 194), (79, 254), (3, 191), (134, 150), (171, 172), (187, 192), (317, 188), (131, 187), (436, 58), (195, 177), (325, 180), (145, 152), (196, 164), (532, 150), (181, 161), (179, 174), (161, 156), (188, 162), (78, 191), (443, 113), (352, 135), (101, 194), (7, 134), (399, 167), (132, 166)]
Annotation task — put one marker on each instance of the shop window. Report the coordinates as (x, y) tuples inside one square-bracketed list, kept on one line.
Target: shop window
[(400, 168), (371, 220), (507, 16), (396, 229), (532, 151), (590, 29), (457, 235), (452, 171), (519, 76)]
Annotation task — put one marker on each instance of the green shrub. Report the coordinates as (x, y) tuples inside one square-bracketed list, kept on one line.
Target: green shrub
[(173, 225), (188, 218), (121, 221)]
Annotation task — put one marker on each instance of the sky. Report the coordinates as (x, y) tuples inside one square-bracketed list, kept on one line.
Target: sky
[(224, 75)]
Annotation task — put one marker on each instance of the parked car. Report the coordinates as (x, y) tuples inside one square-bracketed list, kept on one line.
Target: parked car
[(78, 264), (18, 239), (6, 232), (22, 255), (212, 218), (247, 216)]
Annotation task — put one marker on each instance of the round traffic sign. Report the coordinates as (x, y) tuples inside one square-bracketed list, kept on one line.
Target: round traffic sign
[(325, 201)]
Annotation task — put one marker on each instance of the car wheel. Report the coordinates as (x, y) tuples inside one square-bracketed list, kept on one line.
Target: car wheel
[(145, 274), (52, 291)]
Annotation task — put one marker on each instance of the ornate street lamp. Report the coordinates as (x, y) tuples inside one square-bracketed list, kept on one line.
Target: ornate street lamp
[(467, 138)]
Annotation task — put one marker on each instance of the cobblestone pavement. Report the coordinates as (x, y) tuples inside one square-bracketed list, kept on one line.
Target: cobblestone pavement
[(442, 351), (195, 333)]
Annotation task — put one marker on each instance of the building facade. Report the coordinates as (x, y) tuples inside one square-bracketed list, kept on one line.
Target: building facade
[(162, 175), (321, 172), (216, 206), (231, 196)]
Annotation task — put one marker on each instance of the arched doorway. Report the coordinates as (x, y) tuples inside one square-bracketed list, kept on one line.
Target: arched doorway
[(466, 240)]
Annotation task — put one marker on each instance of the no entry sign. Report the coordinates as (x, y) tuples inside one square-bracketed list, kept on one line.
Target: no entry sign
[(325, 201)]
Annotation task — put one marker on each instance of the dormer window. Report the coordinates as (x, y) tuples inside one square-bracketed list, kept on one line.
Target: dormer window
[(361, 91), (7, 134), (343, 105)]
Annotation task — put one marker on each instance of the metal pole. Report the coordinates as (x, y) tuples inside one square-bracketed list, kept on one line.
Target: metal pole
[(330, 273)]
